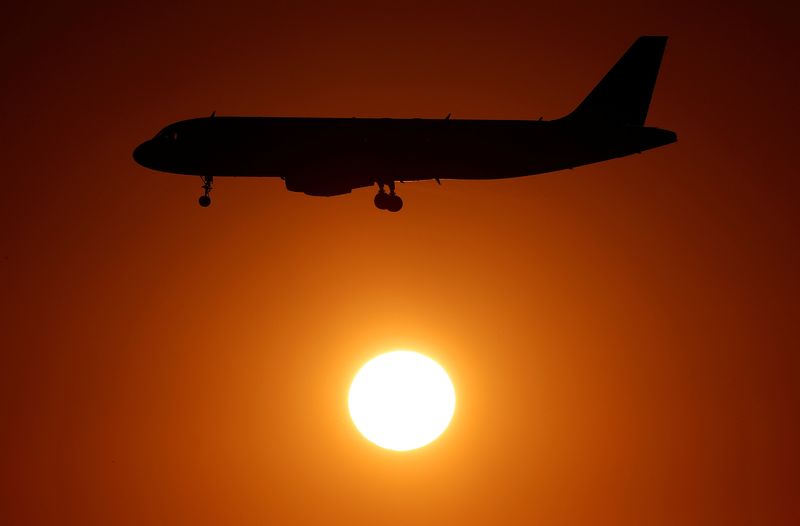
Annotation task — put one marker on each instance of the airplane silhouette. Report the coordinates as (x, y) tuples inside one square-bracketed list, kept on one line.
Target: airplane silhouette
[(333, 156)]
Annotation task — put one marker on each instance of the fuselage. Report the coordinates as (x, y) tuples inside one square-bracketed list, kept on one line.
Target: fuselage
[(328, 156)]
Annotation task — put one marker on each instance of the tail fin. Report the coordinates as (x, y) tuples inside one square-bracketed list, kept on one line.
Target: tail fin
[(623, 96)]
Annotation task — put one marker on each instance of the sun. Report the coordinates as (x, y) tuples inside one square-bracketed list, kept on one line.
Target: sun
[(401, 400)]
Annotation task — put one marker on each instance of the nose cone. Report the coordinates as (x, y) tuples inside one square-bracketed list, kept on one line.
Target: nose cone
[(143, 153)]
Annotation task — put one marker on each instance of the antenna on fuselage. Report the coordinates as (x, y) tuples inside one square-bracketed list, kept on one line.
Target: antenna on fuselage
[(213, 113)]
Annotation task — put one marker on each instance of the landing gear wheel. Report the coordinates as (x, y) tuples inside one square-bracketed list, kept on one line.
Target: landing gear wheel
[(382, 200), (205, 199), (390, 201), (395, 203)]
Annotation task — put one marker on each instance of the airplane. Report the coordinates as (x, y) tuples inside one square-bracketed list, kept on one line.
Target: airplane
[(333, 156)]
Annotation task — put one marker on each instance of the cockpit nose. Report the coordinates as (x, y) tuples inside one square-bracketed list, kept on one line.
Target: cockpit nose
[(154, 153), (142, 154)]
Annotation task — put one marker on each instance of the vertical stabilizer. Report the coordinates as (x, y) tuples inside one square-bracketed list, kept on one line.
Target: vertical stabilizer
[(623, 96)]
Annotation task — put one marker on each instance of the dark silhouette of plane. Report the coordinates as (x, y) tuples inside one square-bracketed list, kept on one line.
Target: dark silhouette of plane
[(332, 156)]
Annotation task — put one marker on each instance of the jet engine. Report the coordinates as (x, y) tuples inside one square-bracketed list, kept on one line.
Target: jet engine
[(318, 187)]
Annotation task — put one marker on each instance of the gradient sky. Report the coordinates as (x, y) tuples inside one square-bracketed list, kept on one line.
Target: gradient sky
[(623, 337)]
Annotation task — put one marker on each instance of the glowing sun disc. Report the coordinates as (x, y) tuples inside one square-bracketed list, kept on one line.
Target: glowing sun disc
[(401, 400)]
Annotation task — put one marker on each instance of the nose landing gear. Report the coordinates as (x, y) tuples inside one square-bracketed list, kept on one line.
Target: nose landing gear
[(390, 201), (205, 199)]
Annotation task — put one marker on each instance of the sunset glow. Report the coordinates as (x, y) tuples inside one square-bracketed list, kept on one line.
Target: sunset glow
[(622, 336)]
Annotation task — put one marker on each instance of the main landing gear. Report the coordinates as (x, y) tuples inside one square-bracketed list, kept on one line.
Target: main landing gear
[(205, 199), (390, 201)]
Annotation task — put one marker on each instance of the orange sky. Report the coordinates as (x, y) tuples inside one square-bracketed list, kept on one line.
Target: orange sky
[(623, 337)]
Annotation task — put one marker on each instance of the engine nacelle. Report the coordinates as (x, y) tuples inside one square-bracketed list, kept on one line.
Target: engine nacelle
[(318, 187)]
